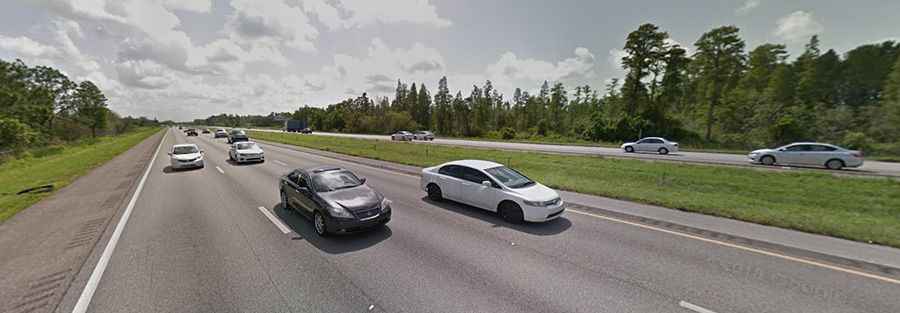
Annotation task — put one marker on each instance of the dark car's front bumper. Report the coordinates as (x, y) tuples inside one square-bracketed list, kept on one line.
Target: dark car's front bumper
[(356, 224)]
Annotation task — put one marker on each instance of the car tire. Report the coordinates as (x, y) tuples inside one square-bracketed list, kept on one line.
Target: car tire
[(319, 225), (434, 192), (767, 160), (511, 212), (663, 151), (834, 164), (629, 149)]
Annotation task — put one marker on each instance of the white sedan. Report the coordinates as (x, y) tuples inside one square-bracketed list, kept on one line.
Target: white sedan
[(651, 144), (493, 187), (246, 151), (808, 154), (186, 156)]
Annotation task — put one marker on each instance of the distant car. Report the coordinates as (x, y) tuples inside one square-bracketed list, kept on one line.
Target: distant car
[(237, 135), (402, 136), (191, 132), (808, 154), (186, 156), (246, 151), (220, 133), (334, 198), (493, 187), (423, 135), (205, 131), (651, 144), (306, 131)]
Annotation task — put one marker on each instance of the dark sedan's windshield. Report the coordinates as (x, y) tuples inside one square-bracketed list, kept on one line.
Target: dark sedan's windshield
[(185, 150), (509, 177), (334, 180)]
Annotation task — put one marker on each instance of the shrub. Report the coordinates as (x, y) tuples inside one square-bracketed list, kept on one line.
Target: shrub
[(508, 133), (857, 141)]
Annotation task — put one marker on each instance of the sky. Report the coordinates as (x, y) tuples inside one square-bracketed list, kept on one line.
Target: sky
[(187, 59)]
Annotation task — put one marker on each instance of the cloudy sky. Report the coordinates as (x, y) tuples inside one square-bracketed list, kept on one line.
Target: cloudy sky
[(185, 59)]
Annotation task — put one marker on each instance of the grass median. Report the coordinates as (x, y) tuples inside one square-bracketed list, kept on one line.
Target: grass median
[(862, 209), (58, 166)]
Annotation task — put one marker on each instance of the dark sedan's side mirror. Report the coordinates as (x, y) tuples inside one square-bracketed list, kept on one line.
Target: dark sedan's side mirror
[(362, 180), (169, 153)]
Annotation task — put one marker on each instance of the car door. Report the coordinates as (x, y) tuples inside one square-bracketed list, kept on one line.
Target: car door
[(474, 193), (819, 154), (794, 154), (292, 191), (449, 179), (305, 194)]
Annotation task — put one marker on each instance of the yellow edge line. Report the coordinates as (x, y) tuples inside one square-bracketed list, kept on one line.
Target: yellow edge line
[(739, 247)]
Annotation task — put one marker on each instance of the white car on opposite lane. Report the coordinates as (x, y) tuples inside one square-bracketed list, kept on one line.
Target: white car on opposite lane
[(651, 144), (402, 136), (246, 151), (493, 187), (186, 156), (808, 154)]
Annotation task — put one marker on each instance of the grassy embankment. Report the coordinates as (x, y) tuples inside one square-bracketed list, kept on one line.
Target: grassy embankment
[(861, 209), (58, 166)]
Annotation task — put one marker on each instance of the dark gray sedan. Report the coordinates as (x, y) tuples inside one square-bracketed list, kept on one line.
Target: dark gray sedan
[(335, 199)]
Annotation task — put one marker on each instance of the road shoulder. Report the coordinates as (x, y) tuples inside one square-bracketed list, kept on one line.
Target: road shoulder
[(45, 246)]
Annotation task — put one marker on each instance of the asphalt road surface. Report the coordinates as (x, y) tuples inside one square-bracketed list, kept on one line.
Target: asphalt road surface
[(868, 168), (217, 240)]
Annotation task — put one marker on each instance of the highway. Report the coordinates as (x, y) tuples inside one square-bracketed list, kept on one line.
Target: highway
[(217, 240), (876, 168)]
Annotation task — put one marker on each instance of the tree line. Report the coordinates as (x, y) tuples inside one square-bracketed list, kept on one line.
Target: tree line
[(721, 95), (41, 106)]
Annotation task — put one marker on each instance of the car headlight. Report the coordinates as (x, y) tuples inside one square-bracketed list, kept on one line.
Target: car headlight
[(339, 211), (534, 203), (386, 205), (542, 203)]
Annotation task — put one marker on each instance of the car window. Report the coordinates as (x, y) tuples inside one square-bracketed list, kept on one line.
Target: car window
[(245, 145), (822, 148), (797, 148), (473, 175), (510, 177), (334, 180), (185, 150), (450, 170)]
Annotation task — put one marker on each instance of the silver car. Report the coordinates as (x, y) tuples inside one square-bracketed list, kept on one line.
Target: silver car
[(246, 151), (402, 136), (186, 156), (651, 144), (808, 154), (423, 135)]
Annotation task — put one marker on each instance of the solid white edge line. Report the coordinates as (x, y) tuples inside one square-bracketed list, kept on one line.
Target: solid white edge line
[(278, 223), (88, 293), (740, 247), (694, 307), (220, 170)]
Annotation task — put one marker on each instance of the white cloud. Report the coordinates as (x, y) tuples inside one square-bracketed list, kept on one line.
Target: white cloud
[(748, 6), (26, 47), (614, 59), (198, 6), (271, 23), (798, 26), (361, 13)]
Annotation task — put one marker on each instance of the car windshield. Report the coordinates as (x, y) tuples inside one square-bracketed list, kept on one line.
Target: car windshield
[(185, 150), (509, 177), (246, 146), (334, 180)]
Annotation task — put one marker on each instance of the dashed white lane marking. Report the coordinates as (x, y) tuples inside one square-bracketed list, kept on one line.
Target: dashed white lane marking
[(739, 247), (280, 163), (220, 170), (278, 223), (91, 286), (694, 307)]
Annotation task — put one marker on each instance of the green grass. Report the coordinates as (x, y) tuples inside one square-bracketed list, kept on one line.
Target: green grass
[(862, 209), (58, 166)]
